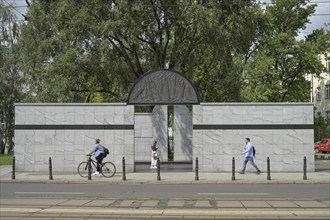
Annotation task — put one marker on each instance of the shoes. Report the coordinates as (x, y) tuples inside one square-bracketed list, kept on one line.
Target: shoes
[(153, 167), (258, 172), (242, 172), (96, 173)]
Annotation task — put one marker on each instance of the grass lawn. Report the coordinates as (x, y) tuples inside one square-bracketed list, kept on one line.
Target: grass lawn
[(6, 159)]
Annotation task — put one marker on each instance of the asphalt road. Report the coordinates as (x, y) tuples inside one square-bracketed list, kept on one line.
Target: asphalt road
[(315, 191)]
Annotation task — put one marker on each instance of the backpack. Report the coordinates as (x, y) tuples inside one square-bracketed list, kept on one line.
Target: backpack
[(106, 151), (254, 151)]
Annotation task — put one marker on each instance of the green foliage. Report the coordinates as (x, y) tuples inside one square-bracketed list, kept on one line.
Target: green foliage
[(321, 128), (10, 77), (6, 159), (278, 63), (95, 50)]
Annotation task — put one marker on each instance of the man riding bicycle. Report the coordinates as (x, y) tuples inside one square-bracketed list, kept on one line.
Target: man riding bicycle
[(98, 151)]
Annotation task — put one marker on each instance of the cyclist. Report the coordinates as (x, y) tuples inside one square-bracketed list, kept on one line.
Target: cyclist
[(98, 151)]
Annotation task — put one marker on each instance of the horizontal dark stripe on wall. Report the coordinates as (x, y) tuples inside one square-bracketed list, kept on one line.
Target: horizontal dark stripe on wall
[(254, 127), (74, 127)]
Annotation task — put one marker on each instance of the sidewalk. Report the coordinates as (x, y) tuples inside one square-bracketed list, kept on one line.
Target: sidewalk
[(169, 178)]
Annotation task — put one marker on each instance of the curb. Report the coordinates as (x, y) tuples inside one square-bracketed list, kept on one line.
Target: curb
[(172, 213), (322, 156)]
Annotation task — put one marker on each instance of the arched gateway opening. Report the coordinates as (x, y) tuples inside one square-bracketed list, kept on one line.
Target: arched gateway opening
[(163, 87), (165, 117)]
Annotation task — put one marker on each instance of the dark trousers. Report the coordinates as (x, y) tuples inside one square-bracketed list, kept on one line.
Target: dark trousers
[(99, 159)]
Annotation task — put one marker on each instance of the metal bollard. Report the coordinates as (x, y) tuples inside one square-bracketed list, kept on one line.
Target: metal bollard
[(196, 169), (50, 169), (305, 169), (233, 169), (13, 173), (158, 169), (89, 169), (268, 169), (124, 169)]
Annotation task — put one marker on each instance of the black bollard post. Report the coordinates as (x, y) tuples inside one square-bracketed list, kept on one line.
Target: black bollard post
[(50, 169), (268, 169), (89, 169), (13, 173), (305, 169), (196, 169), (233, 169), (158, 169), (124, 169)]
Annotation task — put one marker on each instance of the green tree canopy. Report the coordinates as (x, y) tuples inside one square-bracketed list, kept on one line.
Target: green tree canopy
[(94, 50), (278, 63), (238, 50), (10, 77)]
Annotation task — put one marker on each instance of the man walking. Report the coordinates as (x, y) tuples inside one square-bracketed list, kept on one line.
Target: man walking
[(249, 156)]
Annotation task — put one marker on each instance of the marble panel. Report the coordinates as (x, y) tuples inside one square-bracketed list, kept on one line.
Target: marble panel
[(128, 119), (26, 167), (29, 158), (197, 119), (49, 150), (147, 131), (19, 116), (182, 134), (89, 118), (59, 149), (119, 139), (109, 118), (118, 119)]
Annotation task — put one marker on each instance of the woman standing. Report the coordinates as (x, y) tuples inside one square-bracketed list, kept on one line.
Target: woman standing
[(154, 155)]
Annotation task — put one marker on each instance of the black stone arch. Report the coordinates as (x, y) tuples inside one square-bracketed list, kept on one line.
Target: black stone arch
[(163, 87)]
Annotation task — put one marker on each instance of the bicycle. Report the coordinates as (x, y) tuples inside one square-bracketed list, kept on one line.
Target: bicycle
[(108, 169)]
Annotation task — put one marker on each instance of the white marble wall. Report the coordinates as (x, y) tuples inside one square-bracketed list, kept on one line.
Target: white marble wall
[(148, 127), (286, 149), (214, 147), (68, 148), (182, 133)]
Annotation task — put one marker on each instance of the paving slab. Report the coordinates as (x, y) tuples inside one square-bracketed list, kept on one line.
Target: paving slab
[(126, 203), (255, 204), (203, 204), (31, 201), (311, 204), (282, 204), (150, 203), (75, 202), (175, 203), (229, 204), (99, 202)]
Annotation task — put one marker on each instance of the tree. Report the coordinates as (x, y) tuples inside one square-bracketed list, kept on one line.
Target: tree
[(9, 77), (321, 128), (278, 62), (73, 51)]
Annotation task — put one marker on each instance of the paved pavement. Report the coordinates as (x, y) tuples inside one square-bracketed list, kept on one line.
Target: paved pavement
[(150, 176)]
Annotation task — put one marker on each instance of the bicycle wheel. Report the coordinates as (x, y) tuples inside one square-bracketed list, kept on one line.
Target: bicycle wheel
[(108, 169), (83, 169)]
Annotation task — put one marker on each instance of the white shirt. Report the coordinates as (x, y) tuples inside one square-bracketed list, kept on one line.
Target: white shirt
[(248, 150)]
